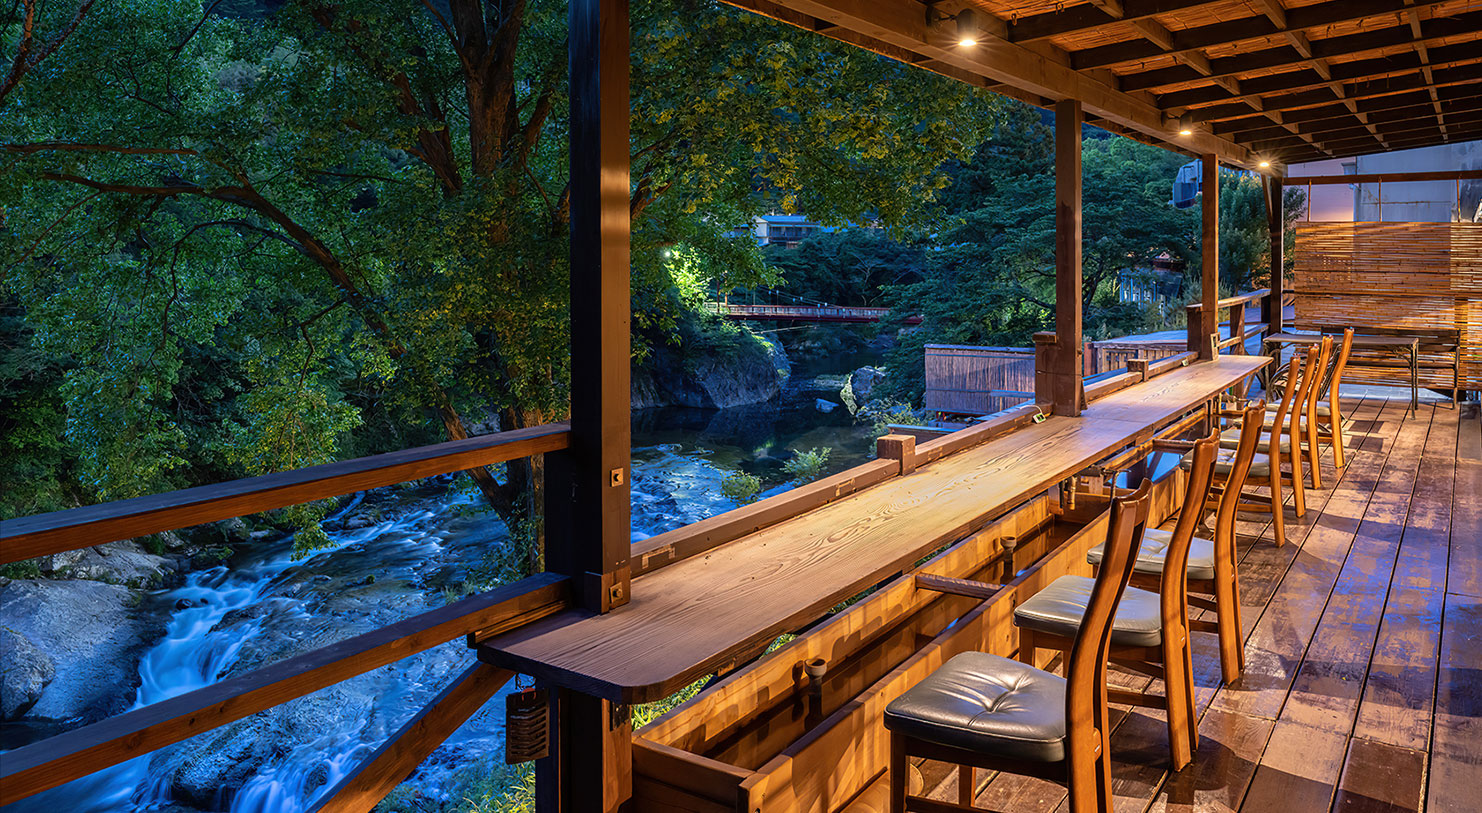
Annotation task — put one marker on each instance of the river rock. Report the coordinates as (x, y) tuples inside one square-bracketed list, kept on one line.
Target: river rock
[(92, 633), (115, 563), (24, 673), (751, 372), (862, 382)]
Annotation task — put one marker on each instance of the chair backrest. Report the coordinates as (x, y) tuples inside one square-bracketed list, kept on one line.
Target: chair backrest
[(1335, 376), (1085, 671), (1293, 375), (1316, 372), (1173, 591), (1245, 452)]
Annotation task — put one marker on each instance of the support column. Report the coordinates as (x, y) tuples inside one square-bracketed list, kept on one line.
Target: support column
[(597, 518), (1276, 226), (1209, 318), (587, 487), (1068, 389)]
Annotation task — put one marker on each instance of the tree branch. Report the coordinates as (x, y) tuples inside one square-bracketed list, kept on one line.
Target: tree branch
[(67, 146), (23, 62)]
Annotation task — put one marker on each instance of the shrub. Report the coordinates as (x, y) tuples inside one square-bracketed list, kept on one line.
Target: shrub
[(741, 488), (806, 466)]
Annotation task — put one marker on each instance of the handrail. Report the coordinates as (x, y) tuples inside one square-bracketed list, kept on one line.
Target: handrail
[(59, 531), (54, 761)]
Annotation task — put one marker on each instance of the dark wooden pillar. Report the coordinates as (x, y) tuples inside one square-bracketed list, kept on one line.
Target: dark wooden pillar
[(596, 552), (587, 487), (1276, 225), (1067, 383), (1209, 317)]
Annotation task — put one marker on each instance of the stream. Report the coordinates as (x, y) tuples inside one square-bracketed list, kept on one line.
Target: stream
[(395, 553)]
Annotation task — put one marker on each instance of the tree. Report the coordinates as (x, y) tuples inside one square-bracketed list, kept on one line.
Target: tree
[(257, 244), (852, 267), (991, 281)]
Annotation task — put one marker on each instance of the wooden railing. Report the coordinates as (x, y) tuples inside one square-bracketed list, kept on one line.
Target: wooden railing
[(57, 760), (1241, 329)]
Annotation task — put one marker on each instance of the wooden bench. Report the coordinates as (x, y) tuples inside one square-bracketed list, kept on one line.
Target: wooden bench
[(1438, 361)]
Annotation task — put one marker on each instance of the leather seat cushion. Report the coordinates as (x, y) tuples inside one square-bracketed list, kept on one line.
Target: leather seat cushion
[(1154, 551), (1059, 607), (1224, 464), (1230, 439), (988, 704)]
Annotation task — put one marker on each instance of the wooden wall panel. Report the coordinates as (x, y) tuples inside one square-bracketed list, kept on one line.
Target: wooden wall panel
[(1395, 275)]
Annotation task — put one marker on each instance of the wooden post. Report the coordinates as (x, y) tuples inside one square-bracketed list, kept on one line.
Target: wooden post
[(1276, 226), (1209, 318), (1069, 392), (588, 525), (596, 552), (1045, 365), (897, 447)]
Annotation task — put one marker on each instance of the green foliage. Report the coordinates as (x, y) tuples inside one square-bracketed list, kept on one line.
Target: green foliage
[(741, 488), (894, 412), (296, 236), (804, 467), (24, 569), (646, 713), (849, 267)]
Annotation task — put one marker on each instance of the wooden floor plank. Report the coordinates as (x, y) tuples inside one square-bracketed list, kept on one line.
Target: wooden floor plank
[(1399, 691), (1456, 753), (1464, 573), (1380, 778), (1230, 747), (1279, 640), (1299, 770)]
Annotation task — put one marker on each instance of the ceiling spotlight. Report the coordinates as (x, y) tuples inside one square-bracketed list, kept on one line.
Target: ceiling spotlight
[(1186, 124), (967, 28), (1264, 165)]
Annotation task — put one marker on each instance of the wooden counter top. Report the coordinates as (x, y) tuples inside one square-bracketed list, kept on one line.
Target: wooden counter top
[(690, 618)]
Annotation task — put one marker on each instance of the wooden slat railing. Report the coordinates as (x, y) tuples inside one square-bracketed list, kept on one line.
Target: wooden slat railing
[(365, 787), (60, 759), (43, 534), (1241, 329)]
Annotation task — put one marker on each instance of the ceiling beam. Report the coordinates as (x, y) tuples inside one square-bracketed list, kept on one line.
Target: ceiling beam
[(903, 25), (1088, 17), (1293, 89), (1241, 30), (1383, 110), (1314, 53)]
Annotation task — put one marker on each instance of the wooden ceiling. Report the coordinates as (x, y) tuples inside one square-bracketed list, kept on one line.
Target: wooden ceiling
[(1283, 81)]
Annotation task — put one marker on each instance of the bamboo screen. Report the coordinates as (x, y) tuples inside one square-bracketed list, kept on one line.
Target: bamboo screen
[(1396, 275)]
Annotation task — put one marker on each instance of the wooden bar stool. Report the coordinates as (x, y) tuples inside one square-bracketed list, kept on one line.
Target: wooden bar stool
[(1293, 431), (1266, 465), (984, 711), (1324, 420), (1150, 632), (1213, 579)]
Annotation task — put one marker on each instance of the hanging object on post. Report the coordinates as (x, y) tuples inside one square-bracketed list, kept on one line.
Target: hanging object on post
[(527, 730)]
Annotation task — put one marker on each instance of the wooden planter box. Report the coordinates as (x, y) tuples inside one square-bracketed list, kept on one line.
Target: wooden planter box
[(770, 738)]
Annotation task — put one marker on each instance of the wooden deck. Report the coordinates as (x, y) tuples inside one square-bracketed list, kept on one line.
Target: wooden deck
[(1363, 685)]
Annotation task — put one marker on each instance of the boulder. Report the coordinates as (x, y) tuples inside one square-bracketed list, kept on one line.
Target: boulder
[(750, 374), (862, 382), (93, 633), (115, 563), (24, 673)]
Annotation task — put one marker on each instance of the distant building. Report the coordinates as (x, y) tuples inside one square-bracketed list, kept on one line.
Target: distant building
[(1158, 282), (785, 230), (1413, 202)]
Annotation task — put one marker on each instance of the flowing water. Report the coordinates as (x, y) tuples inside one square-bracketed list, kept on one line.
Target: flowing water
[(680, 457)]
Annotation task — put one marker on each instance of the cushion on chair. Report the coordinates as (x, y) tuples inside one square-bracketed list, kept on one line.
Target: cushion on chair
[(1230, 439), (1058, 609), (985, 703), (1154, 551), (1224, 464)]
